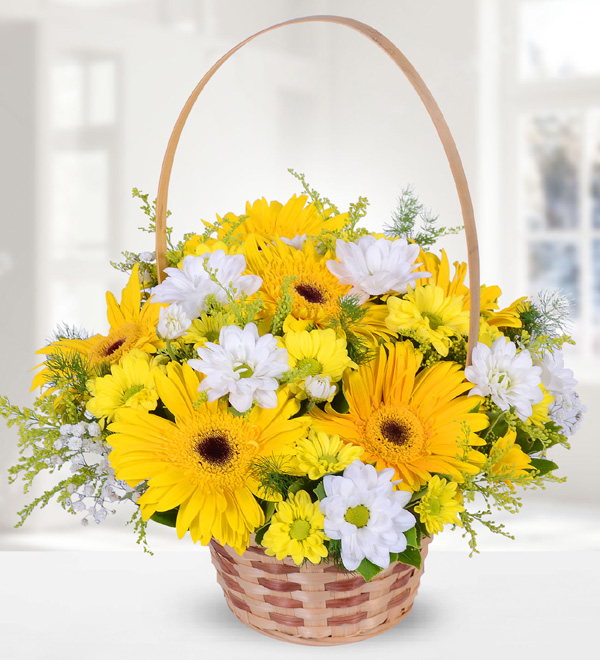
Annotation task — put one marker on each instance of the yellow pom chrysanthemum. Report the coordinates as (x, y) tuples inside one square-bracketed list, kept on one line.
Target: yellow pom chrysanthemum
[(203, 461), (316, 353), (296, 530), (206, 328), (510, 460), (440, 505), (413, 422), (130, 384), (321, 454), (433, 316)]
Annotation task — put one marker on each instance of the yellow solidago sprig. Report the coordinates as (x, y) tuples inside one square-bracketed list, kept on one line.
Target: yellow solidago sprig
[(510, 462), (130, 384), (296, 530), (434, 317), (321, 454), (440, 505)]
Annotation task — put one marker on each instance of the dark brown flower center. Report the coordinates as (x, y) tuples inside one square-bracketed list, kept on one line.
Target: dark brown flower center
[(114, 347), (395, 432), (215, 449), (310, 293)]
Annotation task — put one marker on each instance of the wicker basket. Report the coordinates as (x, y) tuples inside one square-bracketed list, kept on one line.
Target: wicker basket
[(321, 605), (316, 605)]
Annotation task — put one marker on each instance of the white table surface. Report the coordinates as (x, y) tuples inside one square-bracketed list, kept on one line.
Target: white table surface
[(92, 605)]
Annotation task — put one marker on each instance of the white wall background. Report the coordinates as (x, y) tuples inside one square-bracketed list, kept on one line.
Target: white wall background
[(318, 98)]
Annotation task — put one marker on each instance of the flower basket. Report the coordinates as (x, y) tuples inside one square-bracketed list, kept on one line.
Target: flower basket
[(313, 605), (313, 401)]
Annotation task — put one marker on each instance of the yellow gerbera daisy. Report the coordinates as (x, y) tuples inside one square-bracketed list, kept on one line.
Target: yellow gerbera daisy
[(440, 505), (316, 353), (206, 328), (276, 220), (202, 462), (132, 325), (414, 423), (321, 454), (130, 384), (430, 314), (296, 530), (314, 290), (510, 460)]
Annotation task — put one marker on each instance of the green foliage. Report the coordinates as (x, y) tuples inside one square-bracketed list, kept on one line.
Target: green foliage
[(349, 317), (408, 213), (167, 518), (269, 472), (411, 556), (368, 569)]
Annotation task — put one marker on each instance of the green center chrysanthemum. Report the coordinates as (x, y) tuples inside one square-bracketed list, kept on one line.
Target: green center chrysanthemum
[(358, 515), (300, 529), (434, 320), (134, 389)]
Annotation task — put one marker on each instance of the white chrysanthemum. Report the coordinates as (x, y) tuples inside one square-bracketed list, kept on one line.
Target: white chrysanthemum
[(567, 411), (556, 378), (172, 322), (189, 286), (375, 266), (243, 365), (296, 242), (319, 388), (363, 510), (508, 377)]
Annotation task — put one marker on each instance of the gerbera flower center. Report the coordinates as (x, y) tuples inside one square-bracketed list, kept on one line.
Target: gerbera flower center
[(396, 434), (215, 449), (311, 293), (114, 346), (300, 529), (358, 515)]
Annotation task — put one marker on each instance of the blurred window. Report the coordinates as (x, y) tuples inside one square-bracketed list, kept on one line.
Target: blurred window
[(556, 87), (84, 116)]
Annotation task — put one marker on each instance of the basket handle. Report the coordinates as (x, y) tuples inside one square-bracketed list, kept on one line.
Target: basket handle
[(432, 108)]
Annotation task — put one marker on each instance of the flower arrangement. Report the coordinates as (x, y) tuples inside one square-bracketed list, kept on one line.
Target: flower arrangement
[(299, 383)]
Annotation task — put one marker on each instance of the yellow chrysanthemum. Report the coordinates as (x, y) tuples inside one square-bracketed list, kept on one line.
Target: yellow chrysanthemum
[(132, 326), (488, 333), (130, 384), (491, 312), (440, 505), (512, 461), (431, 315), (296, 530), (206, 328), (414, 423), (540, 415), (202, 462), (197, 245), (316, 353), (321, 454), (276, 220)]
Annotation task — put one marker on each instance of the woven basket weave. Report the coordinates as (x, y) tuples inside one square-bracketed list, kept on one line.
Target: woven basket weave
[(317, 605)]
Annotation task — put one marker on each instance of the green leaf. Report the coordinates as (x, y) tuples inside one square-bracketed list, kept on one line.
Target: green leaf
[(543, 466), (319, 491), (168, 518), (368, 569), (410, 556), (411, 537), (260, 532)]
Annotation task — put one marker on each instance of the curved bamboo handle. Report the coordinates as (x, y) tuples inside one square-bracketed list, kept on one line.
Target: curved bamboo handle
[(432, 108)]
